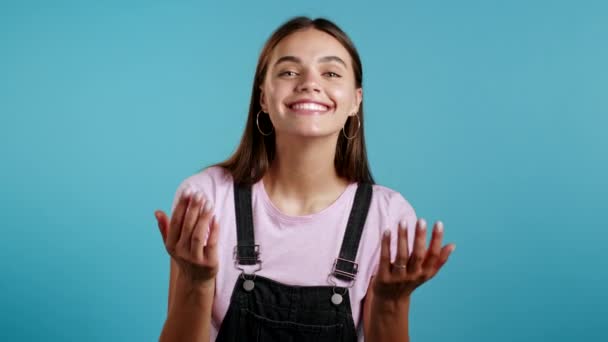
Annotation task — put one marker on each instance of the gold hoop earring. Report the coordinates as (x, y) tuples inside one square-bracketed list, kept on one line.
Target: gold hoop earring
[(358, 127), (257, 122)]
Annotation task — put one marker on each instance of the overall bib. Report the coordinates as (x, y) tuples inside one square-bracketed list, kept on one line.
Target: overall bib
[(265, 310)]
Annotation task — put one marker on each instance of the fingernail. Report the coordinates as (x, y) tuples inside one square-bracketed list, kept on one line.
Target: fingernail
[(440, 227), (199, 197), (187, 192), (421, 224), (453, 248), (208, 206), (387, 233), (204, 206), (403, 225)]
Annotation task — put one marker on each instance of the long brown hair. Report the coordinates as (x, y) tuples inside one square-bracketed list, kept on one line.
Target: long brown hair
[(255, 152)]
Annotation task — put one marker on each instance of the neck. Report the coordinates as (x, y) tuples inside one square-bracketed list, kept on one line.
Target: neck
[(302, 175)]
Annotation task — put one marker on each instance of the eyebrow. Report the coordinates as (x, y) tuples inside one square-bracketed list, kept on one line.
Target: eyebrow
[(325, 59)]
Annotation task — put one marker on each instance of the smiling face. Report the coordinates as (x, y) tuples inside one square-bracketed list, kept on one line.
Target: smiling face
[(309, 88)]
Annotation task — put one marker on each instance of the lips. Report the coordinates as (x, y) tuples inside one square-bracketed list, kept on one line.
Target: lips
[(309, 106)]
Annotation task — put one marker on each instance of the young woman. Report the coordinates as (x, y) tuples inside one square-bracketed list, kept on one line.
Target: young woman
[(290, 239)]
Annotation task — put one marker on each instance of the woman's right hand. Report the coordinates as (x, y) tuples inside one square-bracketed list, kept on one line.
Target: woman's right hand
[(190, 238)]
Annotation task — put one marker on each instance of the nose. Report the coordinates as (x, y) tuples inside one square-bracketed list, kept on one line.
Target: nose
[(308, 83)]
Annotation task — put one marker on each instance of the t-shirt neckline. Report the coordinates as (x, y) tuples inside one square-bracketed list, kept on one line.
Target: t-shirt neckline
[(275, 212)]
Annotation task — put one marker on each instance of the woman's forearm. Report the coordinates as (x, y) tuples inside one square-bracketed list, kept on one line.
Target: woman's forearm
[(189, 317), (389, 321)]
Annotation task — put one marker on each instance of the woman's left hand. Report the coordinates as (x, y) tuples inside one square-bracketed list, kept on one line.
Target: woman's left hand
[(396, 280)]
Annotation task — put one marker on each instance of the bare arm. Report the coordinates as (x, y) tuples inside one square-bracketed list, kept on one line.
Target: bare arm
[(387, 303), (194, 265), (390, 320), (189, 311)]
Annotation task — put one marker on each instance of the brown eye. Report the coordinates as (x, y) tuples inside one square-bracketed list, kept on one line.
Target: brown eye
[(332, 74), (288, 73)]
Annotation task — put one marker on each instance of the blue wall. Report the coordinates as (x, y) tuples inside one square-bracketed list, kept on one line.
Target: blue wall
[(488, 115)]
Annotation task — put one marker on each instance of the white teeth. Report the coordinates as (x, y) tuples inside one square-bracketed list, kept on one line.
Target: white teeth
[(309, 106)]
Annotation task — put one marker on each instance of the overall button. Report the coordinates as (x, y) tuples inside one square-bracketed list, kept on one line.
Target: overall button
[(248, 285), (336, 298)]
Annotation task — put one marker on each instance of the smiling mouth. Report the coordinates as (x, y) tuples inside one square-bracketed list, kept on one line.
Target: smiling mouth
[(308, 107)]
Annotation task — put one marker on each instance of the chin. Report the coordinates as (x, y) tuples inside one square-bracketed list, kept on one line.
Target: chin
[(311, 133)]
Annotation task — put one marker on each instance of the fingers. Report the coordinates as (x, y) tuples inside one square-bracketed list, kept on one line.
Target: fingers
[(211, 248), (432, 255), (420, 265), (192, 213), (384, 267), (402, 249), (445, 253), (175, 225), (163, 224), (414, 265), (199, 233)]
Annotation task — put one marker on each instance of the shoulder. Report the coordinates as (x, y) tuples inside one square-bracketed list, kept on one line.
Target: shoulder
[(391, 208), (392, 201), (209, 181)]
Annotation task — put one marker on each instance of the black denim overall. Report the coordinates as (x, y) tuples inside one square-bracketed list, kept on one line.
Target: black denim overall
[(265, 310)]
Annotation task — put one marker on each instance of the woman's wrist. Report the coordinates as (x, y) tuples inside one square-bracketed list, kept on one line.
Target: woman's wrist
[(194, 295), (391, 306), (189, 317)]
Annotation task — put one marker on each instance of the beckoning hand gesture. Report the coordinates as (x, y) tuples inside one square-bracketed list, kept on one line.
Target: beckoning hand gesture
[(396, 280), (184, 236)]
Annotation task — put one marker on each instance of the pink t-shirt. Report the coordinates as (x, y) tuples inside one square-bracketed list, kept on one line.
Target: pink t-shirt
[(298, 250)]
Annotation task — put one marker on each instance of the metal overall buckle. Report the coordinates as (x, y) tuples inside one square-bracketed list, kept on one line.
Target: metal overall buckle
[(337, 297), (248, 278)]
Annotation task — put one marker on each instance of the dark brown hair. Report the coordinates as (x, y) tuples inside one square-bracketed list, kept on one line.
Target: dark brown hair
[(255, 152)]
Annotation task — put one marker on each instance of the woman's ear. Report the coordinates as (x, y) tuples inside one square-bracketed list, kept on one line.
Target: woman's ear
[(358, 99), (263, 101)]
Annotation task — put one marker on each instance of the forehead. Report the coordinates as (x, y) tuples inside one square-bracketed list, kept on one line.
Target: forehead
[(309, 45)]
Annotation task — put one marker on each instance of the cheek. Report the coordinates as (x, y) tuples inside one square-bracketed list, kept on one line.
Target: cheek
[(274, 93), (343, 97)]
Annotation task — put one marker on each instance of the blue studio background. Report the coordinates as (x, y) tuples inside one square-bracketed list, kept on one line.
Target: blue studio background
[(488, 115)]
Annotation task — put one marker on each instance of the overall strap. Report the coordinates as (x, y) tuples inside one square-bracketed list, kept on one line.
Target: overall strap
[(345, 267), (246, 252)]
